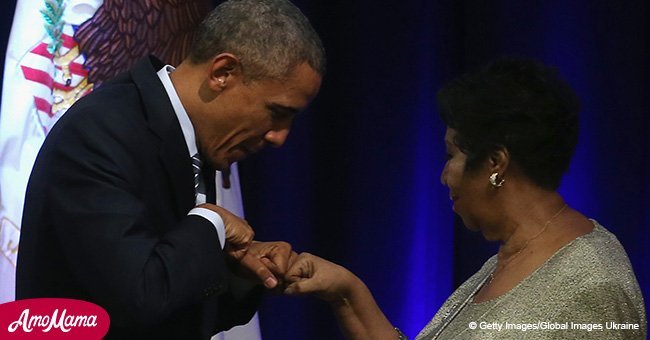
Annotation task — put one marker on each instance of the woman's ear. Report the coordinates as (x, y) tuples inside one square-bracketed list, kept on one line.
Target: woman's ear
[(499, 160)]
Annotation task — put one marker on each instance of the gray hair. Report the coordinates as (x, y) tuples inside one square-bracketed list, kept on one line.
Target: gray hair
[(270, 38)]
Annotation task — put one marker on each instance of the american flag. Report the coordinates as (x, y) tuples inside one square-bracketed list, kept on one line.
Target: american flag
[(44, 76), (57, 79)]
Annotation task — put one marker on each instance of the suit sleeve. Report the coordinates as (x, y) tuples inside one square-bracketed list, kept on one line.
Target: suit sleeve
[(124, 252)]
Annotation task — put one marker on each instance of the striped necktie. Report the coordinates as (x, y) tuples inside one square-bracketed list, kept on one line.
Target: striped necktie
[(199, 183)]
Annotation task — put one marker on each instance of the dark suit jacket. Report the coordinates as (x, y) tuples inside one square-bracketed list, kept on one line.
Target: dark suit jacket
[(105, 219)]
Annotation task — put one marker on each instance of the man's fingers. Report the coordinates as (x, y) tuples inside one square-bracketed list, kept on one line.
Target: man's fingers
[(259, 269), (235, 253), (242, 237), (278, 253), (238, 231), (270, 265)]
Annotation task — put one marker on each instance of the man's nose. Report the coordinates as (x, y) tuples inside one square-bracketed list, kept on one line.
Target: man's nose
[(277, 137)]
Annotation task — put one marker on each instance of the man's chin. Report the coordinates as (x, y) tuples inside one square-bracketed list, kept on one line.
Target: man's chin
[(234, 156), (221, 164), (238, 156)]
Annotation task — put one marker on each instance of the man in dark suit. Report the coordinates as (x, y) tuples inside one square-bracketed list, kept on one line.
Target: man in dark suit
[(115, 213)]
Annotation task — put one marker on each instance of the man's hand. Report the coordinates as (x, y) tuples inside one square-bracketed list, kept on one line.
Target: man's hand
[(239, 234), (266, 262)]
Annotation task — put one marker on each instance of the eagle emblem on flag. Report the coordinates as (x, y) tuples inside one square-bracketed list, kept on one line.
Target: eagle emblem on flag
[(72, 59)]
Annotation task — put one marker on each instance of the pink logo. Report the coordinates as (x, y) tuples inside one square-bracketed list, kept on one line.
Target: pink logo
[(52, 318)]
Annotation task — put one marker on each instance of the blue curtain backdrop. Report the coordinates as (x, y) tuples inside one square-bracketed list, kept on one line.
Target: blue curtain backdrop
[(358, 180)]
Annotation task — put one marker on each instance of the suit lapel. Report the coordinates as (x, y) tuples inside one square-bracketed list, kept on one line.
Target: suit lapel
[(163, 122)]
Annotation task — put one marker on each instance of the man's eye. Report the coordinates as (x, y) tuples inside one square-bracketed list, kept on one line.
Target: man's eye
[(280, 115), (276, 114)]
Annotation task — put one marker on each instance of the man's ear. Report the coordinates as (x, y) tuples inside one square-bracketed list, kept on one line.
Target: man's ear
[(225, 69), (499, 160)]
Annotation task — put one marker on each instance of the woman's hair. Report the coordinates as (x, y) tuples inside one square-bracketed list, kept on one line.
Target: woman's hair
[(520, 105), (270, 37)]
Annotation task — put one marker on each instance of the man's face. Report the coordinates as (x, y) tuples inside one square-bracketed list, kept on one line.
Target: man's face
[(249, 116)]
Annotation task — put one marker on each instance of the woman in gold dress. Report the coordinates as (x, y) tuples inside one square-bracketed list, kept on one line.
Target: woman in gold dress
[(511, 132)]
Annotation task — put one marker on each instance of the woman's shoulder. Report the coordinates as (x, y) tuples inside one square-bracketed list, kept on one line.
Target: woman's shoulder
[(596, 284), (598, 253), (589, 280), (595, 262)]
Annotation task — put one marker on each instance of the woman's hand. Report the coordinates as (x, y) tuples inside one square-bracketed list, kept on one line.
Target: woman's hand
[(311, 274), (353, 304)]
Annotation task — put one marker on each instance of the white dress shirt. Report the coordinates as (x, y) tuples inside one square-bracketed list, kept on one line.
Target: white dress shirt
[(190, 141)]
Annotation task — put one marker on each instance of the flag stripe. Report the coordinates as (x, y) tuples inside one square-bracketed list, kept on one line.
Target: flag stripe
[(68, 41), (43, 105), (37, 76), (76, 69), (41, 49)]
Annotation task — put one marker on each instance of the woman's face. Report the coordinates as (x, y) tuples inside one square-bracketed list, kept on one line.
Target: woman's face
[(467, 189)]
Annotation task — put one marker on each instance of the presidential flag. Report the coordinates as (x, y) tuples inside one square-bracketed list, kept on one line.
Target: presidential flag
[(59, 51), (43, 76)]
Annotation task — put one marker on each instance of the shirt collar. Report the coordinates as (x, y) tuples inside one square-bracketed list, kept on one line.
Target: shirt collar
[(181, 114)]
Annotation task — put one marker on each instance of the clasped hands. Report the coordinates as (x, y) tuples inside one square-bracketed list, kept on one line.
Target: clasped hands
[(277, 266), (281, 269)]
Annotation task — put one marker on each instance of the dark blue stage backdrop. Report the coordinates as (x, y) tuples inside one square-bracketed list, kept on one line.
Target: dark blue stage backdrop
[(358, 180)]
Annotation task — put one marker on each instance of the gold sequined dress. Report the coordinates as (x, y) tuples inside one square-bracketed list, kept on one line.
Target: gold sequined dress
[(586, 290)]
